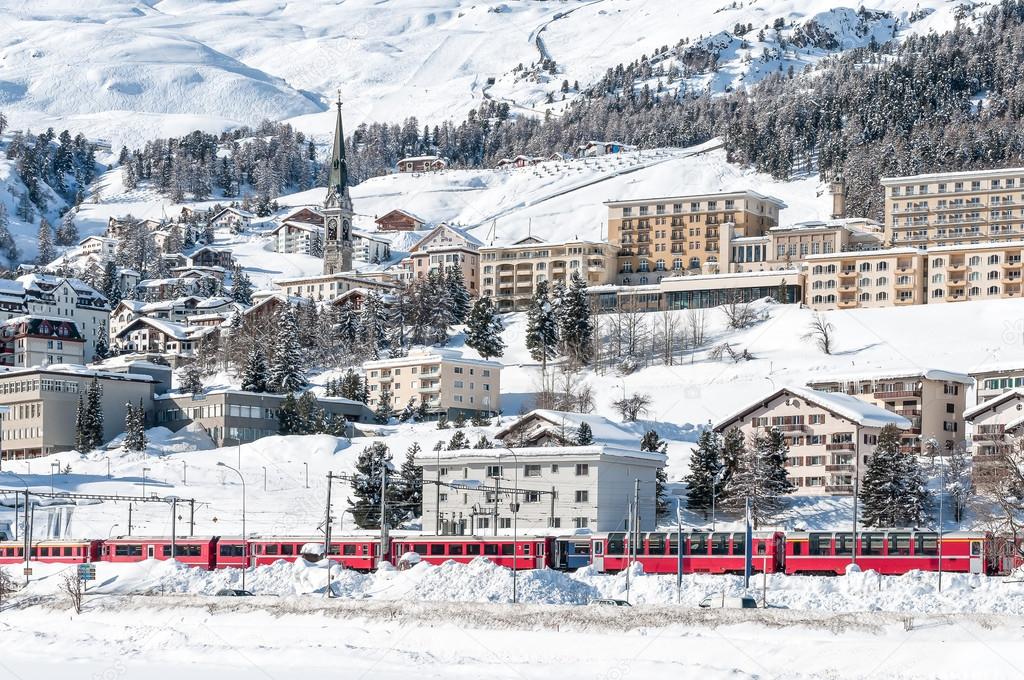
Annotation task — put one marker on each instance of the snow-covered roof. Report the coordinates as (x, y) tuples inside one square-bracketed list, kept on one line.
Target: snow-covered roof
[(951, 176), (302, 226), (430, 353), (860, 224), (178, 331), (716, 196), (1016, 393), (359, 233), (544, 452), (421, 158), (46, 282), (843, 405), (990, 245), (79, 370), (896, 374), (566, 423), (731, 275), (851, 254), (404, 212)]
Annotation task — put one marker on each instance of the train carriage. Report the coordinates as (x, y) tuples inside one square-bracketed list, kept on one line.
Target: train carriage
[(356, 552), (522, 553), (890, 551), (191, 551), (703, 552), (56, 551)]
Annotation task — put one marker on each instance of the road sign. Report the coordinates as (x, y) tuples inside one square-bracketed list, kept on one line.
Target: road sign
[(28, 571), (87, 572)]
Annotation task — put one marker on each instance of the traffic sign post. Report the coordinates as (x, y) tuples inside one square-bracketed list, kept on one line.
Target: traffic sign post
[(86, 573)]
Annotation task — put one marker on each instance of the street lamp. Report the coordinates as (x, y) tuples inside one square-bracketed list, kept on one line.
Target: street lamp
[(306, 465), (145, 470), (26, 528), (245, 543), (52, 466), (111, 532), (515, 526), (264, 479)]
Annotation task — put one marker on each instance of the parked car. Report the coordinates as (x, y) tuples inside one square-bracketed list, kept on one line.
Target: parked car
[(609, 602), (720, 601), (233, 592)]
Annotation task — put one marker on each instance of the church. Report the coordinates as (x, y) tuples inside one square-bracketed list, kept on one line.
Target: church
[(338, 208)]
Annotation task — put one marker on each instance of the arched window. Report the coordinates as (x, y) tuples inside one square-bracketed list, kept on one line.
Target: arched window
[(818, 269), (817, 285), (882, 296), (904, 280), (938, 262), (993, 259), (865, 266), (882, 266), (938, 278), (882, 281), (865, 281), (830, 283), (645, 266), (993, 275), (817, 299), (938, 292), (993, 290), (643, 280), (865, 297), (974, 276), (975, 291), (830, 298), (677, 264), (659, 266), (830, 269), (975, 261)]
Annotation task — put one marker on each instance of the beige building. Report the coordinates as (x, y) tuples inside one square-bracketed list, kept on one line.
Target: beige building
[(996, 429), (43, 404), (975, 272), (870, 278), (326, 287), (510, 274), (443, 248), (955, 207), (40, 341), (445, 381), (658, 237), (934, 401), (830, 435)]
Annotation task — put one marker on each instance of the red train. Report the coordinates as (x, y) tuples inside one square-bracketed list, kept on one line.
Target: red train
[(886, 551)]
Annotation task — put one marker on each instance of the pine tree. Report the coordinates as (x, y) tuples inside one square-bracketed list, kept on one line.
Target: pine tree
[(311, 418), (92, 422), (484, 328), (286, 374), (409, 412), (47, 253), (102, 350), (458, 441), (366, 488), (255, 372), (773, 451), (652, 442), (458, 295), (733, 450), (385, 409), (758, 477), (191, 380), (67, 232), (705, 465), (241, 287), (354, 387), (135, 428), (483, 442), (372, 325), (288, 415), (7, 245), (584, 435), (893, 492), (541, 327), (82, 441), (576, 330), (411, 476)]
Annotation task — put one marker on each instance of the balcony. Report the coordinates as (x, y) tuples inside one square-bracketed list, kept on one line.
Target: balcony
[(840, 467), (846, 304), (840, 489), (956, 267), (1011, 264), (916, 450), (955, 297), (908, 412), (847, 273), (427, 389), (839, 446), (904, 301), (793, 427), (905, 284), (896, 394)]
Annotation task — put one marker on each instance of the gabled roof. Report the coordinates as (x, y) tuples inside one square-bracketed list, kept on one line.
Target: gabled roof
[(544, 452), (174, 330), (1016, 393), (564, 424), (843, 405), (401, 212), (441, 228)]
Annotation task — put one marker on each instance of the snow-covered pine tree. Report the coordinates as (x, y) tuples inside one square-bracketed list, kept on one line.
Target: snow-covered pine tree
[(457, 294), (409, 412), (191, 379), (81, 425), (286, 374), (653, 442), (385, 409), (134, 428), (352, 386), (366, 488), (316, 244), (957, 481), (372, 326), (288, 415), (482, 442), (173, 243), (575, 327), (893, 492), (484, 328), (584, 435), (255, 374), (47, 253), (705, 465), (311, 418), (541, 327), (437, 308), (67, 232), (734, 448), (774, 451), (241, 287), (459, 441), (102, 347), (411, 475), (93, 423), (7, 246)]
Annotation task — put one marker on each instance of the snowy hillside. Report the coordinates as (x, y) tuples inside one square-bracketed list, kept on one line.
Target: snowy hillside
[(129, 71)]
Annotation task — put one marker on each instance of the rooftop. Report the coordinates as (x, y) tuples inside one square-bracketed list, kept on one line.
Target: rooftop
[(843, 405)]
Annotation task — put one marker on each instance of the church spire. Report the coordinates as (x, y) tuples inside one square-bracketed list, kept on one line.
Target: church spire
[(337, 183)]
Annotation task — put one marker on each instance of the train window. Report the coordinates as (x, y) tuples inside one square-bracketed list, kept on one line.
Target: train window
[(364, 549), (68, 552), (798, 547), (182, 550), (44, 552), (437, 548), (473, 549), (655, 544), (673, 544), (871, 544), (490, 549), (287, 549), (230, 549), (598, 547), (762, 546), (975, 548), (719, 544), (926, 544), (844, 544), (698, 544), (34, 552), (335, 549), (128, 550), (420, 548), (526, 548), (616, 544), (739, 544), (899, 544), (348, 549), (540, 549), (819, 544), (272, 549), (454, 548), (507, 548)]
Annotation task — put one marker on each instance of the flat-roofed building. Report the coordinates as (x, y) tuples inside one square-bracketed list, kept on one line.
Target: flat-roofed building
[(661, 236), (955, 207), (870, 278), (711, 290), (830, 435), (510, 273), (326, 287), (559, 487), (984, 271), (933, 400), (998, 425), (991, 380), (443, 379)]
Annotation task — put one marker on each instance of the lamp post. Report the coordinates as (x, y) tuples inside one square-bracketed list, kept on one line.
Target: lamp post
[(184, 473), (515, 525), (264, 479), (108, 466), (52, 466), (26, 529), (306, 465), (245, 544), (4, 410), (111, 532), (145, 471)]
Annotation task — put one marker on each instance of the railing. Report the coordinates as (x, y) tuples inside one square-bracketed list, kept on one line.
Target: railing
[(896, 394), (840, 446), (839, 467), (840, 490)]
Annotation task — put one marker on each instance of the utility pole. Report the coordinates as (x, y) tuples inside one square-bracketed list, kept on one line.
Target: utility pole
[(856, 492), (192, 517), (327, 532), (495, 511), (383, 513), (636, 522), (129, 518), (747, 541), (27, 531), (942, 484), (679, 552), (629, 547), (184, 473), (174, 527), (437, 491)]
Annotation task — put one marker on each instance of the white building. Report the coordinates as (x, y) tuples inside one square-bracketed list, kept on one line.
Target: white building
[(295, 238), (234, 219), (56, 297), (370, 248), (558, 487)]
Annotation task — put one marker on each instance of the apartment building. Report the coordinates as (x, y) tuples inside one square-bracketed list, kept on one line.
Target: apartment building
[(443, 248), (327, 287), (870, 278), (67, 298), (934, 401), (40, 341), (985, 271), (443, 379), (955, 207), (296, 237), (830, 435), (991, 380), (102, 247), (662, 236), (43, 404), (237, 417), (996, 430), (510, 274), (559, 487)]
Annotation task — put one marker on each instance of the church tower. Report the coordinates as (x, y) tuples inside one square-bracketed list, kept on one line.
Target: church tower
[(338, 208)]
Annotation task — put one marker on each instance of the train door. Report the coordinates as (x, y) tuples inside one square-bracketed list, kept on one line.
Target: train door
[(977, 563), (597, 559), (150, 551)]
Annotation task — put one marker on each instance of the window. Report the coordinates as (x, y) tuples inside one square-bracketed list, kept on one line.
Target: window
[(871, 544), (531, 470), (580, 522), (582, 496), (494, 471), (582, 469), (554, 468)]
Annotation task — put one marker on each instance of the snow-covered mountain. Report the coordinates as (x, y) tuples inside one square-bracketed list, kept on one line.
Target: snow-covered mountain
[(130, 70)]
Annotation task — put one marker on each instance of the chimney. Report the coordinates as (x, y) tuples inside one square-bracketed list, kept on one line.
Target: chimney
[(838, 191)]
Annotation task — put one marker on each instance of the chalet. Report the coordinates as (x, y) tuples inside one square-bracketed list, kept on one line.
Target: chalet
[(40, 341), (327, 287), (519, 161), (595, 148), (305, 215), (998, 430), (544, 427), (116, 225), (175, 340), (370, 248), (124, 313), (208, 256), (199, 272), (422, 164), (234, 219), (445, 247), (399, 220), (296, 237), (103, 247)]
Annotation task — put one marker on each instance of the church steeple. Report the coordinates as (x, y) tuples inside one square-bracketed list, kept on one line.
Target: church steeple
[(338, 207)]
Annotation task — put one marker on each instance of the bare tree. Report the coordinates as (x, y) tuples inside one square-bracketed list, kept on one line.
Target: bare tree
[(72, 587), (956, 479), (822, 333), (698, 323), (668, 337), (633, 406), (7, 586), (564, 390), (739, 314)]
